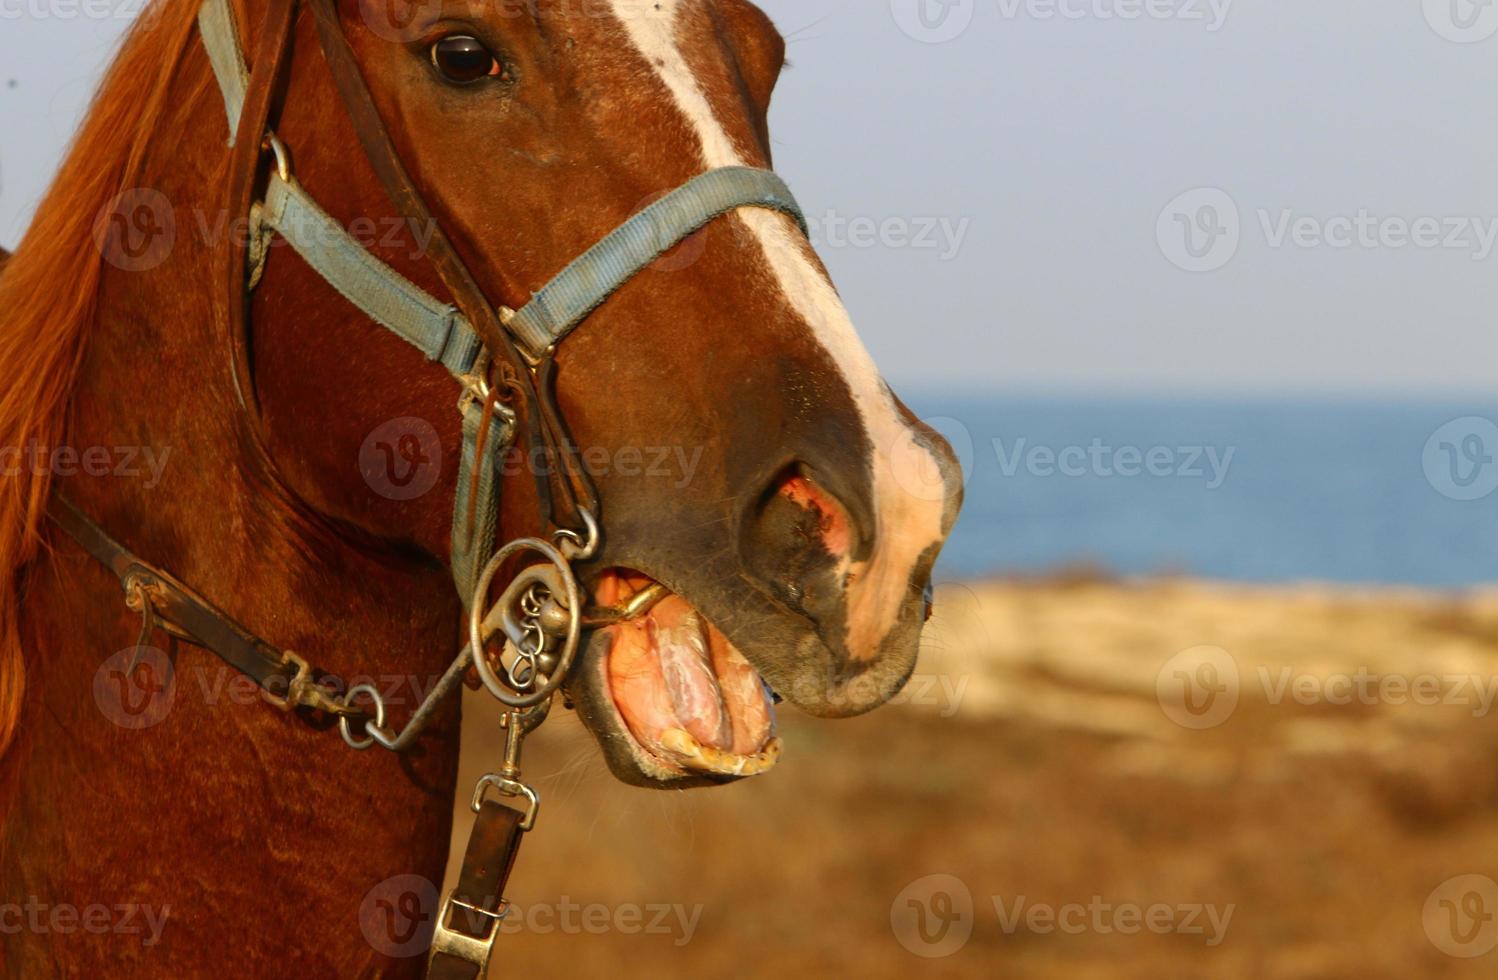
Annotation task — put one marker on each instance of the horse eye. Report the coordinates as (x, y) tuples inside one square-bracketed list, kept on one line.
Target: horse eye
[(464, 60)]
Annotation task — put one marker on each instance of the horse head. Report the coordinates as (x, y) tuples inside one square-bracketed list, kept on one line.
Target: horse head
[(751, 466)]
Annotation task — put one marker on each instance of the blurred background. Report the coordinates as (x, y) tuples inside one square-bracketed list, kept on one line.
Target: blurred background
[(1202, 292)]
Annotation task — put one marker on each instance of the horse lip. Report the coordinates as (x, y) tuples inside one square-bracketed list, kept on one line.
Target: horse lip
[(630, 761), (591, 691)]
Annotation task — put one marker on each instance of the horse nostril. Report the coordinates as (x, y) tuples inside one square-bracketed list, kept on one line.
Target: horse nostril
[(800, 541)]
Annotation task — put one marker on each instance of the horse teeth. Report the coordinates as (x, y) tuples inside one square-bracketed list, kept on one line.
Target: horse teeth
[(704, 758)]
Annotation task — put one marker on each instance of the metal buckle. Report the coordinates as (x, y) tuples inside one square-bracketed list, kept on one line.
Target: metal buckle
[(476, 391), (295, 688), (512, 788), (447, 941)]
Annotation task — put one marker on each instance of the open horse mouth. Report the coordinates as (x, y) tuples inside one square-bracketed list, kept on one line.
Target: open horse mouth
[(674, 693)]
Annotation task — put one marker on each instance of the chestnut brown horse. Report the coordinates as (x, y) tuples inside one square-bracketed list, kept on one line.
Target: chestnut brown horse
[(750, 466)]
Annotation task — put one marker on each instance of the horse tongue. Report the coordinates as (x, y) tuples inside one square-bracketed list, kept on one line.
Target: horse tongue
[(681, 643)]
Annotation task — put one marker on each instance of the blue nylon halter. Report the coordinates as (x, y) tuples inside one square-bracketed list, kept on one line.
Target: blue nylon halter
[(436, 328)]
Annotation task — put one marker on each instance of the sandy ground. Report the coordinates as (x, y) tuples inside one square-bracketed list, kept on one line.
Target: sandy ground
[(1088, 779)]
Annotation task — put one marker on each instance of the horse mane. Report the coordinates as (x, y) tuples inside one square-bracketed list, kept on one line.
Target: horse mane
[(49, 296)]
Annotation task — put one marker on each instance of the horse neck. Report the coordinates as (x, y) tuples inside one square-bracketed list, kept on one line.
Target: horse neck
[(224, 792)]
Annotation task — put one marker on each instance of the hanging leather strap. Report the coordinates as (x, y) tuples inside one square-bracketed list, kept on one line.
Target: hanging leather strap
[(469, 922)]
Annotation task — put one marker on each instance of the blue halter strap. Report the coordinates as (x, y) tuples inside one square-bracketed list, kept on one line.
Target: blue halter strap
[(437, 328)]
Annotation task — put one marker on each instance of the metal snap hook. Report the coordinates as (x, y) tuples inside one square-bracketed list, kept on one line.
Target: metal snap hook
[(576, 546)]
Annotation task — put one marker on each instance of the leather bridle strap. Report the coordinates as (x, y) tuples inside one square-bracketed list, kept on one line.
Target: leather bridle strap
[(285, 678), (476, 505), (257, 94), (380, 150), (472, 915), (457, 333)]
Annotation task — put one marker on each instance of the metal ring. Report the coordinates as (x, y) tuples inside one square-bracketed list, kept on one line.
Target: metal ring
[(477, 615), (379, 720), (273, 143)]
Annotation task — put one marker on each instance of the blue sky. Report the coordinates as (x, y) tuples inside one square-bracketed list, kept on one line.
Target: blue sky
[(1011, 193)]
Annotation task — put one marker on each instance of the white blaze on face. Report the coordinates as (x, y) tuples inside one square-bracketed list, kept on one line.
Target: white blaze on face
[(909, 496)]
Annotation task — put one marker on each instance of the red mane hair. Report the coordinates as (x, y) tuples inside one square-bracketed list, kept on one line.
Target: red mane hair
[(49, 296)]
